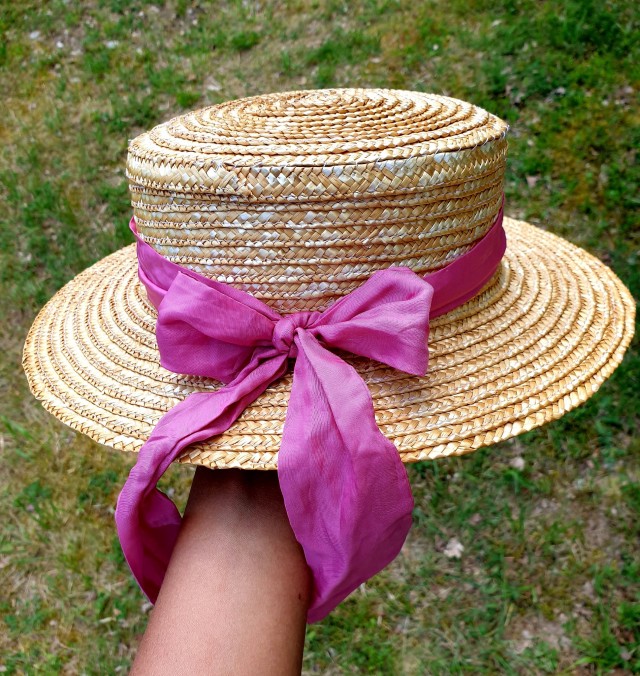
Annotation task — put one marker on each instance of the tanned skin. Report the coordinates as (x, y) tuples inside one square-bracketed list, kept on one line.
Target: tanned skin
[(235, 597)]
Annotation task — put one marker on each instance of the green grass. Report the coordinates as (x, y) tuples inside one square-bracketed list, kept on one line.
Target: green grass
[(549, 580)]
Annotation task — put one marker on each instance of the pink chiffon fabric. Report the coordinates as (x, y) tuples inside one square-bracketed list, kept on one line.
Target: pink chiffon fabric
[(344, 486)]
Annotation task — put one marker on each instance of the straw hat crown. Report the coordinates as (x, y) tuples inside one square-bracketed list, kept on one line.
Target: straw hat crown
[(297, 197)]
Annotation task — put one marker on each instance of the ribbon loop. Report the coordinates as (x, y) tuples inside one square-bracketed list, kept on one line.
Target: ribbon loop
[(213, 335), (386, 319)]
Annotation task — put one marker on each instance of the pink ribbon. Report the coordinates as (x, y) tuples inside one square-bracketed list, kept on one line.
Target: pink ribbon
[(344, 486)]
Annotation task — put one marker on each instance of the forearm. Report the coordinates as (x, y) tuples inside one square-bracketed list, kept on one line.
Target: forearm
[(236, 593)]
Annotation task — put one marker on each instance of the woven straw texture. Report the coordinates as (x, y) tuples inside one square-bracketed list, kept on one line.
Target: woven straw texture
[(405, 179), (298, 197)]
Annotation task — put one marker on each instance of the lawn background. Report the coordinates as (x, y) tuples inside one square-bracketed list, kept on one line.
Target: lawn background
[(549, 578)]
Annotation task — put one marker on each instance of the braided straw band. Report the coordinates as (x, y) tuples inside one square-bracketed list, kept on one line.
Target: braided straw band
[(344, 485)]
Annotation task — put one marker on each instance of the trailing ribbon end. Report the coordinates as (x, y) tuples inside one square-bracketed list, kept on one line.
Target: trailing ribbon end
[(147, 521), (148, 524), (345, 488)]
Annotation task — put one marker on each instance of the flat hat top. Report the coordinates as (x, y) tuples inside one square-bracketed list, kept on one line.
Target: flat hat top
[(317, 128)]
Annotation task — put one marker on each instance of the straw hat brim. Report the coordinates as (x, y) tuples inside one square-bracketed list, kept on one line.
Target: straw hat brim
[(549, 328)]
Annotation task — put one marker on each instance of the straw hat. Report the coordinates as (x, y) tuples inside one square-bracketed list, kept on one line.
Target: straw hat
[(297, 198)]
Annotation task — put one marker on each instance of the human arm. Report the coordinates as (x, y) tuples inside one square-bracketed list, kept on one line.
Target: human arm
[(236, 593)]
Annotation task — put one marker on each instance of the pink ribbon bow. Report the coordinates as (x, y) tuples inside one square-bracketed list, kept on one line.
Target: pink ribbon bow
[(344, 486)]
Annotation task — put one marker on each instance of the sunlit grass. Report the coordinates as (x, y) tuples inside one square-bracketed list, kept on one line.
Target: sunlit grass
[(548, 580)]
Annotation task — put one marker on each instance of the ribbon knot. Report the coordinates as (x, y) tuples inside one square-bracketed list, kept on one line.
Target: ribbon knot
[(285, 330)]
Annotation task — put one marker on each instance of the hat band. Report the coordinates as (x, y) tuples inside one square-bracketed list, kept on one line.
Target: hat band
[(351, 521)]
